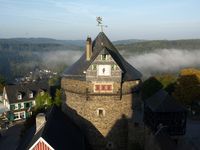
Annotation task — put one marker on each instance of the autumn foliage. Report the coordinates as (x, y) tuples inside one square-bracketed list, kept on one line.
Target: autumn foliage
[(187, 89)]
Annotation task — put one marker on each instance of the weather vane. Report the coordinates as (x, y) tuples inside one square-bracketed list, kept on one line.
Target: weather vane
[(100, 24)]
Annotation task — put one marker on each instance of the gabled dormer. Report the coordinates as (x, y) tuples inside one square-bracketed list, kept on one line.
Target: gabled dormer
[(19, 95), (30, 94)]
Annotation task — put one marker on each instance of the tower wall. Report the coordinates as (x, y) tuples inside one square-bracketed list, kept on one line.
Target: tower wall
[(103, 117)]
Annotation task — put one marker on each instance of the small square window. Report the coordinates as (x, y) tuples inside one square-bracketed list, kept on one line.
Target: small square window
[(19, 96), (30, 95), (100, 112)]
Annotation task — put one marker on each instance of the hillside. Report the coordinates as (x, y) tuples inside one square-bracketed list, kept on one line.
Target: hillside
[(190, 44), (20, 55)]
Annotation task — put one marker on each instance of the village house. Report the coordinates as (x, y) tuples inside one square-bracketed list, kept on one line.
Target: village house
[(20, 98)]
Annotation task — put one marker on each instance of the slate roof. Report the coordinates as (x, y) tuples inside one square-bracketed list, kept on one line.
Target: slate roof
[(163, 102), (76, 71), (60, 132), (25, 89)]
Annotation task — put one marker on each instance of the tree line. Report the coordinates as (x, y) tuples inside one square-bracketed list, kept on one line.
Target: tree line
[(185, 87)]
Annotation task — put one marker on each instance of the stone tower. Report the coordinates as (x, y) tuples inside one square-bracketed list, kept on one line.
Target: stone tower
[(100, 89)]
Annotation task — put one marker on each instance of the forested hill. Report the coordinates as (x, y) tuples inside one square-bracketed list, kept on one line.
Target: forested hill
[(132, 45), (39, 44), (20, 55), (191, 44)]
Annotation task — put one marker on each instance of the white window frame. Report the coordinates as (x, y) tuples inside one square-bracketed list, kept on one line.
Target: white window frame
[(22, 105), (33, 103), (19, 96), (23, 114), (103, 110), (16, 106), (31, 95), (18, 115)]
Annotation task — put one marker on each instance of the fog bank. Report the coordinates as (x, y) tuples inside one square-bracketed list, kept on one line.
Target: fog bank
[(164, 60), (156, 61)]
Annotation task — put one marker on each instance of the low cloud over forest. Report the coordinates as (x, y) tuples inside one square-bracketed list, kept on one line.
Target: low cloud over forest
[(156, 61), (165, 60)]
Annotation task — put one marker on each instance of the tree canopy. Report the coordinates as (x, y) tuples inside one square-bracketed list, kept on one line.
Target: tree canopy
[(43, 100), (187, 89)]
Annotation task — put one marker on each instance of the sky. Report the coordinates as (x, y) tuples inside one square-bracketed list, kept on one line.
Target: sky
[(76, 19)]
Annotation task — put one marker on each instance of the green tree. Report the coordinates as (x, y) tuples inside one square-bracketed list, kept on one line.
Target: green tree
[(43, 100), (168, 82), (58, 97), (187, 89)]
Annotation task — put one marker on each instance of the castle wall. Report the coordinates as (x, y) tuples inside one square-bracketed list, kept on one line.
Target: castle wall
[(110, 128)]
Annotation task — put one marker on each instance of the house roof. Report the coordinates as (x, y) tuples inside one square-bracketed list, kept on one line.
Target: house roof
[(25, 89), (60, 132), (163, 102), (76, 71)]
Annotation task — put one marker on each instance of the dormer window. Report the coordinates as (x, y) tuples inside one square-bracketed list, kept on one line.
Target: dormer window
[(19, 96), (41, 92), (103, 57), (31, 95)]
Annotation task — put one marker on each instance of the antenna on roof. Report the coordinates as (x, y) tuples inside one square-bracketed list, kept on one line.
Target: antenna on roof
[(100, 24)]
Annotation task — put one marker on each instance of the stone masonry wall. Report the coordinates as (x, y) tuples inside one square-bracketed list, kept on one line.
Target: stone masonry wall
[(110, 130)]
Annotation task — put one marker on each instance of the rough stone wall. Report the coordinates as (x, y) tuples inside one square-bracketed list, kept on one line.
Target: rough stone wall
[(80, 87), (113, 126)]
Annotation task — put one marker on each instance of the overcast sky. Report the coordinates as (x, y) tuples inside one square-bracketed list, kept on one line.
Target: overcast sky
[(75, 19)]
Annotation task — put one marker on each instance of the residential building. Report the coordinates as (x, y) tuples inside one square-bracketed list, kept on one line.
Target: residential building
[(20, 98)]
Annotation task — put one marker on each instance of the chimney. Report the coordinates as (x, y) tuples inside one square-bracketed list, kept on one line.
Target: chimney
[(40, 121), (88, 48)]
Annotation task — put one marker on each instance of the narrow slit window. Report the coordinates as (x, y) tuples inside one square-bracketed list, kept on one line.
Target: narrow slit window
[(100, 112)]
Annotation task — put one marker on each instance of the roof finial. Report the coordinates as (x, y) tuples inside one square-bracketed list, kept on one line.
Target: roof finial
[(100, 24)]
